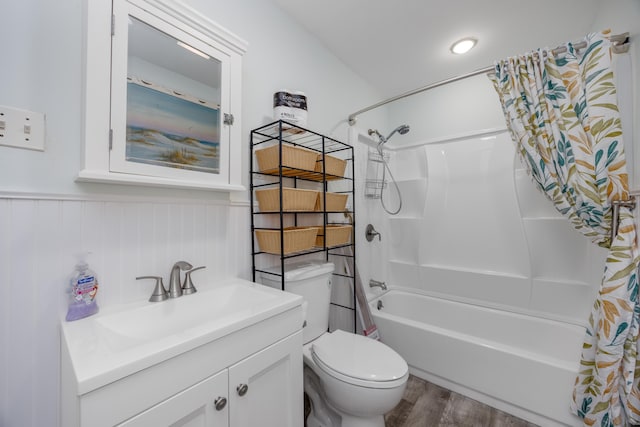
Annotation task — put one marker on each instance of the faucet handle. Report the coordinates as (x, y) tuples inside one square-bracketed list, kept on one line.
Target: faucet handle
[(371, 232), (187, 287), (159, 292)]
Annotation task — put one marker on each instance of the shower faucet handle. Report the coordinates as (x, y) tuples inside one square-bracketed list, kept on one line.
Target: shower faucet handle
[(371, 232)]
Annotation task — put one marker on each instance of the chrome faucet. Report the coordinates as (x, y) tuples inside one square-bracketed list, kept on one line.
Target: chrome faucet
[(375, 283), (175, 286)]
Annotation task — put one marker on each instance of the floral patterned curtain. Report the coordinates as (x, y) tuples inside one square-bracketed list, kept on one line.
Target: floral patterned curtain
[(563, 116)]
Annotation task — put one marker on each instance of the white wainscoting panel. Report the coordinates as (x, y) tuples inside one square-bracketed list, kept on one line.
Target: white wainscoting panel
[(39, 240)]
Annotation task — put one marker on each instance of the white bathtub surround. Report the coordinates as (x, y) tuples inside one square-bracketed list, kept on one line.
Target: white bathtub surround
[(481, 232), (523, 365), (570, 140)]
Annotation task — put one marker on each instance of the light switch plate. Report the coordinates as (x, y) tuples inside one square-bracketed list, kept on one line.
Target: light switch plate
[(21, 128)]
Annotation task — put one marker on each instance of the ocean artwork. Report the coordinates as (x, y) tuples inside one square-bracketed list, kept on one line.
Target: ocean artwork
[(166, 130)]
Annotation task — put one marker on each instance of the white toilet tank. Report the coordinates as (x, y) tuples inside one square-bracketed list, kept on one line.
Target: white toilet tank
[(311, 280)]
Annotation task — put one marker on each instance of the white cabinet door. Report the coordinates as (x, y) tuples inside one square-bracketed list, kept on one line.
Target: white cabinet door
[(198, 406), (162, 96), (265, 389)]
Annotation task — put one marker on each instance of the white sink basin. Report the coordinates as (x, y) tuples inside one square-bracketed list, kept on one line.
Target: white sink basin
[(203, 310), (118, 342)]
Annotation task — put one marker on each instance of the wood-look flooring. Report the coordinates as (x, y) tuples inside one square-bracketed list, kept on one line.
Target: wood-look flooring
[(427, 405)]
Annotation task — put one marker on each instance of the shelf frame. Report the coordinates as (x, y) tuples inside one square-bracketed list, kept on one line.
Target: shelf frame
[(281, 132)]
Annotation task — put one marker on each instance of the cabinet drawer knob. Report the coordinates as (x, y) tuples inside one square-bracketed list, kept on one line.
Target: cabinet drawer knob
[(242, 389), (220, 403)]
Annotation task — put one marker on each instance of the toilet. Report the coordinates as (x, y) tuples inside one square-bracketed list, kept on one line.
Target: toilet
[(351, 380)]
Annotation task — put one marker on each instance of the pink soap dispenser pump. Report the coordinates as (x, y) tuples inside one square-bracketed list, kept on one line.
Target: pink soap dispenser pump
[(84, 287)]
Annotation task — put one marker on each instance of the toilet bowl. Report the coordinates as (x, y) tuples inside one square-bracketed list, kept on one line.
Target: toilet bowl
[(361, 379), (351, 380)]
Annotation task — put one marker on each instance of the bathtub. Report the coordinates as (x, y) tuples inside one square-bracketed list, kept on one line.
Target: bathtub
[(520, 364)]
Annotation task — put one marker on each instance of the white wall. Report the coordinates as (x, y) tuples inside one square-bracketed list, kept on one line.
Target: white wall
[(459, 108), (485, 234), (46, 217), (45, 74), (621, 16)]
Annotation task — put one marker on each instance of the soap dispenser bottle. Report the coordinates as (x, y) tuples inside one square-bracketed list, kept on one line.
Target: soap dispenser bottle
[(84, 287)]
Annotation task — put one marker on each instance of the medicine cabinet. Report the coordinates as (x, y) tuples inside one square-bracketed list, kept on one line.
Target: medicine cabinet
[(162, 96)]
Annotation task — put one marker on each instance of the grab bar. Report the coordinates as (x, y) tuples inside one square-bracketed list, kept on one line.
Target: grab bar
[(615, 215)]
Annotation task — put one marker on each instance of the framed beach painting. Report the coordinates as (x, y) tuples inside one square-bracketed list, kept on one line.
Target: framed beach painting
[(168, 130)]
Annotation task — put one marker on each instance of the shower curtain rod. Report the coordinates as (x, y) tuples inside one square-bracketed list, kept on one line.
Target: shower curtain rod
[(620, 43)]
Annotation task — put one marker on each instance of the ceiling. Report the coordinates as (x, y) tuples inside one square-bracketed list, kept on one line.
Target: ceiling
[(400, 45)]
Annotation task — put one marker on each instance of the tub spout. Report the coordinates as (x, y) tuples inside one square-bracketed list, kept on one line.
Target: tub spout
[(375, 283)]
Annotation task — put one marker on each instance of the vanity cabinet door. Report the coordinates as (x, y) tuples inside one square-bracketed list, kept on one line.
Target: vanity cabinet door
[(266, 390), (201, 405)]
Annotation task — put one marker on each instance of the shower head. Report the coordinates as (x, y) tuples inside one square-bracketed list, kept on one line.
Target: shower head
[(402, 129)]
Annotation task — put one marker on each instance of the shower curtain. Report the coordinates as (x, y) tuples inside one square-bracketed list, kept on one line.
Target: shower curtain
[(562, 114)]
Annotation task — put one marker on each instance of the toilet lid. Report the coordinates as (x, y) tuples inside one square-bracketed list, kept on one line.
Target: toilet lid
[(358, 357)]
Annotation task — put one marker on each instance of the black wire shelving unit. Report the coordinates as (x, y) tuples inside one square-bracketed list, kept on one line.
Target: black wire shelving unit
[(284, 133)]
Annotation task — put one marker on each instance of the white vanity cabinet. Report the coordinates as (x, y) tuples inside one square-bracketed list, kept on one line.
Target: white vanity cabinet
[(264, 389), (197, 405), (242, 367), (272, 396)]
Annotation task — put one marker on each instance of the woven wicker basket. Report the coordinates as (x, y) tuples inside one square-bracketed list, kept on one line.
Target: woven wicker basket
[(336, 235), (336, 202), (293, 199), (296, 239), (292, 157), (335, 166)]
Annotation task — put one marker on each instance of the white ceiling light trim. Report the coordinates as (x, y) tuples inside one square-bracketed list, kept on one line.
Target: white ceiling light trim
[(463, 45)]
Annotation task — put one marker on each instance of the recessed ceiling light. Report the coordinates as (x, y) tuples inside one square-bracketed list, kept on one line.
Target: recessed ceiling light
[(463, 46)]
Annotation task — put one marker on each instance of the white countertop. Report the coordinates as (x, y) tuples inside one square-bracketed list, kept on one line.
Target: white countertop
[(121, 341)]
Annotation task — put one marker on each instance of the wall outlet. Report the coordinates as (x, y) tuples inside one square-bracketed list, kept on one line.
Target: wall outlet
[(21, 128)]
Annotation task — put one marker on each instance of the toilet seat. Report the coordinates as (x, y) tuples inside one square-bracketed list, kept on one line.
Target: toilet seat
[(359, 360)]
